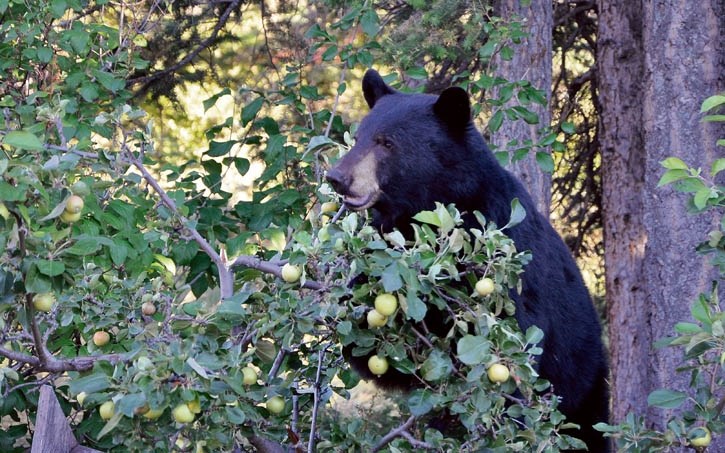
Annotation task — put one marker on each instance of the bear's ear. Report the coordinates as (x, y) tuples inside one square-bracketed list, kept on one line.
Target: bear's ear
[(374, 87), (453, 108)]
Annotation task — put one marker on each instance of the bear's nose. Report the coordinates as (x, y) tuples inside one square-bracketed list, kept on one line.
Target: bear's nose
[(337, 180)]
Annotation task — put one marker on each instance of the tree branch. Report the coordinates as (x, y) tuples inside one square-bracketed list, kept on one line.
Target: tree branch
[(400, 431), (187, 59)]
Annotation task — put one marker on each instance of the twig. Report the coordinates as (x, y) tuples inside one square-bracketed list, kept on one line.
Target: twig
[(316, 403), (396, 432)]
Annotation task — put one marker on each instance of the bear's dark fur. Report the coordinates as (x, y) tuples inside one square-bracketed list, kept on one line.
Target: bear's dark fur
[(413, 150)]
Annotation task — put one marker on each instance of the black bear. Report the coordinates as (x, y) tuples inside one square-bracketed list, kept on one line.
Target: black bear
[(413, 150)]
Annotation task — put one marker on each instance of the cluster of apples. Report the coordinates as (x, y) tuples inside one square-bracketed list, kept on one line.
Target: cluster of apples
[(385, 306)]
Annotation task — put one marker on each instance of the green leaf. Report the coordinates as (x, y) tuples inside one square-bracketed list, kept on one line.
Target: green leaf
[(437, 366), (129, 403), (666, 399), (209, 102), (217, 149), (496, 121), (700, 311), (414, 307), (370, 23), (671, 176), (266, 351), (344, 328), (85, 246), (568, 127), (50, 268), (92, 383), (518, 214), (713, 118), (717, 167), (35, 282), (250, 110), (428, 217), (545, 161), (235, 415), (534, 335), (242, 165), (674, 163), (420, 402), (391, 279), (473, 350), (701, 197), (417, 73), (712, 102), (23, 140)]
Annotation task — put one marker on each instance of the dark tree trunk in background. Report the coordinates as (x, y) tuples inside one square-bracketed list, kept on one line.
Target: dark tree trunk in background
[(532, 62), (657, 62)]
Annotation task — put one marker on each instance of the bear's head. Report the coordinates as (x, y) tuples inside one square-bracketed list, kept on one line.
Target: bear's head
[(411, 150)]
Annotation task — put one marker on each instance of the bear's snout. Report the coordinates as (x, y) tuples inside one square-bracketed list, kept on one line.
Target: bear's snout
[(338, 181)]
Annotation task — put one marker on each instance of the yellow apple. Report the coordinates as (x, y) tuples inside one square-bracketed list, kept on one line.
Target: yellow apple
[(153, 414), (70, 217), (107, 409), (375, 319), (101, 338), (43, 301), (378, 365), (182, 413), (329, 207), (702, 441), (498, 373), (291, 273), (74, 205), (485, 287), (386, 304), (250, 375)]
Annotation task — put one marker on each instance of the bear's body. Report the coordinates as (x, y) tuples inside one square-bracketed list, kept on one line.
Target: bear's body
[(413, 150)]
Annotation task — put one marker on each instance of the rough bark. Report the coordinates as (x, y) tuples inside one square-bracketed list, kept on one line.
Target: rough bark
[(532, 61), (657, 62)]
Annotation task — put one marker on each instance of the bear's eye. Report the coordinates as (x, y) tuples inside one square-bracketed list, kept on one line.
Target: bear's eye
[(385, 142)]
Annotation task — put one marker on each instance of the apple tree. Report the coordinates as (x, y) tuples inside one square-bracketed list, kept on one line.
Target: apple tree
[(169, 314)]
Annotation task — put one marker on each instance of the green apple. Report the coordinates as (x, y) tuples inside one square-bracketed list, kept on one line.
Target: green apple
[(107, 409), (275, 404), (498, 373), (43, 301), (74, 205), (376, 319), (250, 375), (291, 273), (70, 217), (485, 287), (378, 365), (153, 414), (182, 413), (386, 304), (329, 207)]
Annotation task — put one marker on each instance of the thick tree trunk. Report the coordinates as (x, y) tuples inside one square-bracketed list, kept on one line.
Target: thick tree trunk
[(657, 61), (532, 62)]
